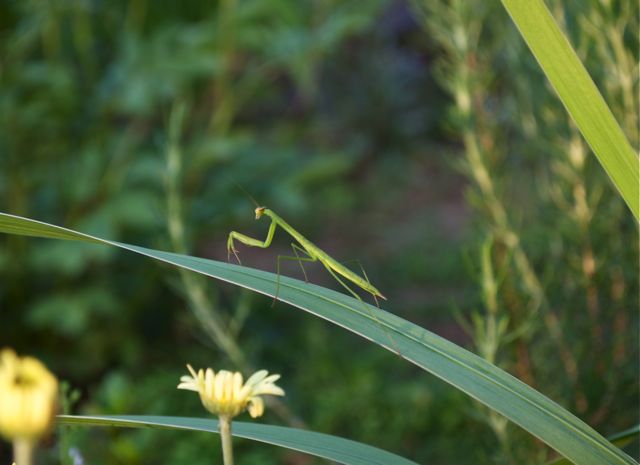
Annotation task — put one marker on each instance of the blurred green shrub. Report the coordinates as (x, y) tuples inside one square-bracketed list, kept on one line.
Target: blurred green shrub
[(558, 279), (347, 116)]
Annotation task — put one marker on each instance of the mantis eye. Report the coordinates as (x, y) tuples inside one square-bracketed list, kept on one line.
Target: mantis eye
[(259, 212)]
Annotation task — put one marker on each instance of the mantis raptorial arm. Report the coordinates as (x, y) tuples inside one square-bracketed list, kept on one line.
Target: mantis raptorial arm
[(249, 241)]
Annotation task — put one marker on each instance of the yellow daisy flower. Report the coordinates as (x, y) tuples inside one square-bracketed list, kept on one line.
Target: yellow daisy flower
[(28, 394), (224, 394)]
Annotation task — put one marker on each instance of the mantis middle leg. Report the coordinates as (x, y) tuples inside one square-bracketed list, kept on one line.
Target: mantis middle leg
[(299, 259), (294, 246)]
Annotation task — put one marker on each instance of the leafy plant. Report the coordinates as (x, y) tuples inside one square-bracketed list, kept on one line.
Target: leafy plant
[(347, 116), (478, 378)]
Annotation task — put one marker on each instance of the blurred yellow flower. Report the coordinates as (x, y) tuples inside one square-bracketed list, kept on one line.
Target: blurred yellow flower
[(224, 394), (28, 394)]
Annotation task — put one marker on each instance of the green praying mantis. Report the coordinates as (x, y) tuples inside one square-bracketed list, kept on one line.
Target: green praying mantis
[(313, 254)]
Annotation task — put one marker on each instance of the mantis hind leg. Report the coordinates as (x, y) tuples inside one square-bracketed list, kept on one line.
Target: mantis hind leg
[(297, 258), (371, 314), (366, 278)]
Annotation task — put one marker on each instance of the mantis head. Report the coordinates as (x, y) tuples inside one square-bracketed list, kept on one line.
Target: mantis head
[(259, 212)]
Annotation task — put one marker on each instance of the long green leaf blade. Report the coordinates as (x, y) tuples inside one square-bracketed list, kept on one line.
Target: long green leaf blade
[(579, 95), (621, 439), (321, 445), (471, 374)]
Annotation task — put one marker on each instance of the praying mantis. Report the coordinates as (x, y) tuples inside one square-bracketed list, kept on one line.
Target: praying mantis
[(313, 254)]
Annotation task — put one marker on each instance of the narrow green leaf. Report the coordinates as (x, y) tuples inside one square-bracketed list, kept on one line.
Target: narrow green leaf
[(321, 445), (471, 374), (579, 95), (621, 439), (625, 437)]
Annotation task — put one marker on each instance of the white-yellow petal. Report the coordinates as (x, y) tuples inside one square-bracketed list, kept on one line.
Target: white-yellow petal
[(237, 385), (256, 407), (219, 383), (209, 383), (223, 393), (189, 387), (269, 389), (256, 377), (194, 375), (254, 382)]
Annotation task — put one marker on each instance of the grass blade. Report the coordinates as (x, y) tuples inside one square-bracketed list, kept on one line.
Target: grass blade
[(579, 95), (471, 374), (621, 439), (321, 445)]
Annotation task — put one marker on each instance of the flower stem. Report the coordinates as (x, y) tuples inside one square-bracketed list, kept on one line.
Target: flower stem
[(225, 436), (22, 451)]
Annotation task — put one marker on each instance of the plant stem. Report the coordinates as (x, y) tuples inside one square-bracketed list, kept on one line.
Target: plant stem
[(206, 310), (225, 436), (22, 451)]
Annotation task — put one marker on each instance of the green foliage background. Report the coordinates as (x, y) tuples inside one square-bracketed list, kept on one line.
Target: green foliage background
[(419, 138)]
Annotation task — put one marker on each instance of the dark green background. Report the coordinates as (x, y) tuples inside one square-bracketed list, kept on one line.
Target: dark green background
[(340, 117)]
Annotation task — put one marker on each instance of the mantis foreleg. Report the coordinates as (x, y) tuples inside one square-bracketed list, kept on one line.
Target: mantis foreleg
[(249, 241)]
